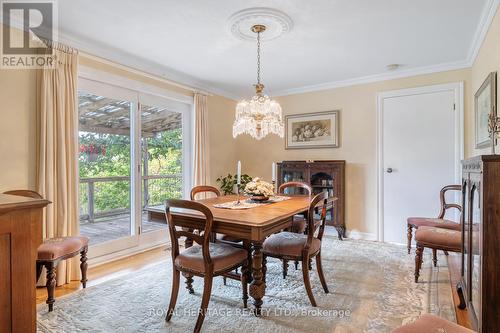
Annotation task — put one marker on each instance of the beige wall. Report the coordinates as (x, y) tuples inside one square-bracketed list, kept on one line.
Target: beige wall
[(487, 60), (17, 129), (358, 140)]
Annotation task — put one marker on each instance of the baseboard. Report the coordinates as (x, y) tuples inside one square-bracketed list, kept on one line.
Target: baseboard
[(105, 259), (354, 234)]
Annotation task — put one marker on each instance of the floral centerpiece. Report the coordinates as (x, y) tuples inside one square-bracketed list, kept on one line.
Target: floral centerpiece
[(259, 190)]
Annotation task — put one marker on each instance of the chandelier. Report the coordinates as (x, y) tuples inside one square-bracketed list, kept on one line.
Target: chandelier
[(260, 115)]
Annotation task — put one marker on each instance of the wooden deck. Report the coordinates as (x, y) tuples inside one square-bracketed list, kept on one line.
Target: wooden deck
[(113, 227)]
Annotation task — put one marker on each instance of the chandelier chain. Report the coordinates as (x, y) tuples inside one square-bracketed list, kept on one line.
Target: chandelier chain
[(258, 57)]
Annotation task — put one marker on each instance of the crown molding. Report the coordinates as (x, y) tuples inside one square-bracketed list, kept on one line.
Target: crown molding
[(487, 16), (134, 63), (375, 78)]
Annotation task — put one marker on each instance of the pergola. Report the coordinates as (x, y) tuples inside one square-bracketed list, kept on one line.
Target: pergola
[(103, 115)]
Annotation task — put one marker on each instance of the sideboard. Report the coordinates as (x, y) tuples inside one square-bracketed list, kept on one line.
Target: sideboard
[(20, 236), (479, 288), (322, 176)]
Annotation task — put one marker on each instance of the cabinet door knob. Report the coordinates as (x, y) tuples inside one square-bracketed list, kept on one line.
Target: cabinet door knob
[(389, 170)]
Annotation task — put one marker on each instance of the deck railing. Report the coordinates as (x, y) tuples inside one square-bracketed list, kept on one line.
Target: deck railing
[(109, 196)]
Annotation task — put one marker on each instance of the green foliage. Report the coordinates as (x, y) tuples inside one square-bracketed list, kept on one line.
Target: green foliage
[(227, 183), (111, 158)]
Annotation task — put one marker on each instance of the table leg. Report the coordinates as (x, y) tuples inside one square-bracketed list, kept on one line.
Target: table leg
[(258, 286)]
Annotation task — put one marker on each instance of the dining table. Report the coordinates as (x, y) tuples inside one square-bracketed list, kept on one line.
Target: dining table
[(252, 225)]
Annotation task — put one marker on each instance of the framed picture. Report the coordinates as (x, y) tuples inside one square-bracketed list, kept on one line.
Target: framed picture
[(312, 130), (485, 103)]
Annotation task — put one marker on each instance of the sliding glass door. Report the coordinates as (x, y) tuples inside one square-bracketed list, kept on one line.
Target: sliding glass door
[(134, 154)]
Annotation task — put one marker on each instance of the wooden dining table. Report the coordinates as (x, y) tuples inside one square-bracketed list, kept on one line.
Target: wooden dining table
[(252, 225)]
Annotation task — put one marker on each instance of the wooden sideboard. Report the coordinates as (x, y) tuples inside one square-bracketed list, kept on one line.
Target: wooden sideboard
[(326, 176), (20, 236), (479, 288)]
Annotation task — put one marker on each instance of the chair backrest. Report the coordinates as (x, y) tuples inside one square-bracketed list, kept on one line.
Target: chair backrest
[(202, 189), (318, 201), (202, 239), (442, 197), (305, 186), (25, 193)]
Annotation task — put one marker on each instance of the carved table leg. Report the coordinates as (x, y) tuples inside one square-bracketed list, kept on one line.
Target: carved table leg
[(188, 242), (409, 235), (258, 286)]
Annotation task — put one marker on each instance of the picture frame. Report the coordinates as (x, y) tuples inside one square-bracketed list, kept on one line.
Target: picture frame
[(485, 103), (312, 130)]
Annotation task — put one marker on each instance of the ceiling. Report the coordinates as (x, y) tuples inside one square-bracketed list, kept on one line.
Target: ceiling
[(331, 43)]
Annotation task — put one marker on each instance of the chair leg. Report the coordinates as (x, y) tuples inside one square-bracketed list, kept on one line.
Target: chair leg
[(409, 234), (207, 291), (173, 296), (434, 257), (83, 266), (189, 282), (225, 280), (39, 268), (296, 264), (418, 261), (244, 283), (51, 284), (307, 281), (285, 268), (310, 264), (319, 266)]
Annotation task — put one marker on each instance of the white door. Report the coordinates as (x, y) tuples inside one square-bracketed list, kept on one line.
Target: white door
[(420, 132)]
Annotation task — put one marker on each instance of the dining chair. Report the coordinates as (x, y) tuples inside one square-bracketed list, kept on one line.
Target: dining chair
[(299, 221), (301, 247), (439, 222), (221, 237), (204, 259), (54, 250)]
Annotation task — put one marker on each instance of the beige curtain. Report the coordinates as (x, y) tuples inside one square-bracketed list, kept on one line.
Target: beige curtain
[(201, 147), (57, 142)]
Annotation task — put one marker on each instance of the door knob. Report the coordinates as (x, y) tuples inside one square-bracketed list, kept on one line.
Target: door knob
[(389, 170)]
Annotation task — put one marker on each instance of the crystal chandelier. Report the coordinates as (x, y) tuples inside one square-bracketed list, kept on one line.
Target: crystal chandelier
[(260, 115)]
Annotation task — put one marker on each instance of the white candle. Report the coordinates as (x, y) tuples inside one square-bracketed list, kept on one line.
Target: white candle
[(273, 177), (238, 181)]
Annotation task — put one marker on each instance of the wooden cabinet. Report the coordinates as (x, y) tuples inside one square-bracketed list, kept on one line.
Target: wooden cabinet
[(20, 236), (479, 288), (326, 176)]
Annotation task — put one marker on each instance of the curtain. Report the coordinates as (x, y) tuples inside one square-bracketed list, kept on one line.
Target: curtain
[(57, 142), (201, 147)]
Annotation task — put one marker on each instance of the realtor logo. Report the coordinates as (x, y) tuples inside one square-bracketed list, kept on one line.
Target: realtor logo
[(27, 33)]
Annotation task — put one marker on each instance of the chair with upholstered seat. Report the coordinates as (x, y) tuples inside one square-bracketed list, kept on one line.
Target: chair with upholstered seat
[(435, 239), (440, 221), (428, 323), (54, 250), (293, 246), (204, 259)]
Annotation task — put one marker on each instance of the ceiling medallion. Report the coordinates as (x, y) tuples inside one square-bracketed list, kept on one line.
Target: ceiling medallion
[(276, 22), (260, 115)]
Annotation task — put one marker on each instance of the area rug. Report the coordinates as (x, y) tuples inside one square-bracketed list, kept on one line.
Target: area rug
[(372, 289)]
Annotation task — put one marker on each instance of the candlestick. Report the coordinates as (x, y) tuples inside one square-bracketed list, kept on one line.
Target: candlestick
[(238, 177), (273, 177)]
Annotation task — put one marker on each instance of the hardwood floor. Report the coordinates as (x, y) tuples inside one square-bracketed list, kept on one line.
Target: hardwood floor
[(106, 272), (454, 266)]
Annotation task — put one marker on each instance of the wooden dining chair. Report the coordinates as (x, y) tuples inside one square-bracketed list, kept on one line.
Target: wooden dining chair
[(293, 246), (204, 259), (54, 250), (439, 222), (299, 221)]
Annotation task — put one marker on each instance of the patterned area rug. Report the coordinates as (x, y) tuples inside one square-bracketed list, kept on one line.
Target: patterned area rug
[(371, 290)]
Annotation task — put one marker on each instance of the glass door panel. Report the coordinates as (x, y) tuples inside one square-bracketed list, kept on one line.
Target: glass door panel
[(162, 159), (104, 167)]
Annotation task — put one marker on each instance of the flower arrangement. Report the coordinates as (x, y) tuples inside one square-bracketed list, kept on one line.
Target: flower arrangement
[(259, 188)]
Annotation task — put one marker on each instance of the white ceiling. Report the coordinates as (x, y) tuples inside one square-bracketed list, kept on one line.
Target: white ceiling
[(333, 42)]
